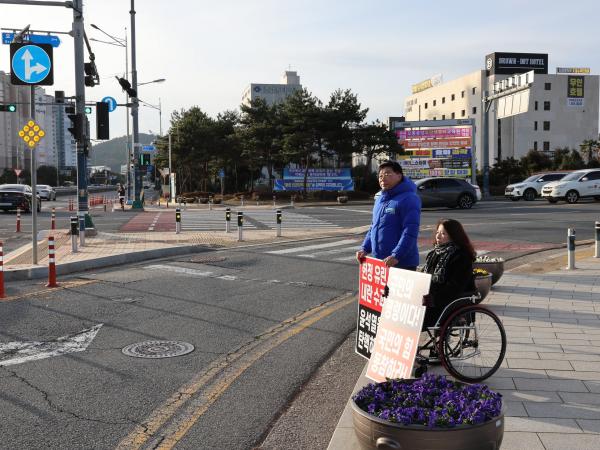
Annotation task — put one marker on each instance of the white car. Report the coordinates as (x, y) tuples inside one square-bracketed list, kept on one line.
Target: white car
[(576, 185), (531, 187), (45, 192)]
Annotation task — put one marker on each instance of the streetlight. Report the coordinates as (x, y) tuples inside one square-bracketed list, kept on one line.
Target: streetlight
[(159, 108), (121, 43), (160, 80)]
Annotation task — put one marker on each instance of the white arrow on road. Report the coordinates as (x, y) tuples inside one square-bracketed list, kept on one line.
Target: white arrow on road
[(27, 58), (13, 353)]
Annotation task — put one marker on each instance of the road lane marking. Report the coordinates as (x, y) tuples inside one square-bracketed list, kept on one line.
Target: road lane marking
[(220, 374), (351, 210), (61, 285), (313, 247)]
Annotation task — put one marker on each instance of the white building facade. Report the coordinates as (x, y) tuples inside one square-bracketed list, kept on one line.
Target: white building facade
[(562, 110), (273, 93)]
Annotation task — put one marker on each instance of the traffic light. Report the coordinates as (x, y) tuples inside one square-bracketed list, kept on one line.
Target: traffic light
[(102, 121), (10, 107), (88, 109), (126, 86), (91, 74), (76, 128), (144, 159), (59, 97)]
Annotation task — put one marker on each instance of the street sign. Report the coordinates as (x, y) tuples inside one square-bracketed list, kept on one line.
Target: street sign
[(112, 103), (18, 172), (31, 134), (54, 41), (149, 169), (31, 64), (221, 173), (148, 148)]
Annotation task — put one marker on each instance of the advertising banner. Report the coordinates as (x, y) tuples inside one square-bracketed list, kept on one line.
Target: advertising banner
[(372, 280), (402, 315), (431, 133), (573, 70), (575, 86), (437, 143), (451, 153), (317, 180)]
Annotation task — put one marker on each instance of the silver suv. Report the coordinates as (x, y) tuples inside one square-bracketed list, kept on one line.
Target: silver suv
[(531, 187)]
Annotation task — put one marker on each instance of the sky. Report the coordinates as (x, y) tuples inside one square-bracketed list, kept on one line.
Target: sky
[(210, 51)]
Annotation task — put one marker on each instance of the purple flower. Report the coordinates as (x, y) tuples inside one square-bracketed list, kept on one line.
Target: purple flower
[(432, 400)]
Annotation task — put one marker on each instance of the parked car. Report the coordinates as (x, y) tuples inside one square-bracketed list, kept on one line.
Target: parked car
[(46, 191), (14, 196), (579, 184), (531, 187), (445, 191)]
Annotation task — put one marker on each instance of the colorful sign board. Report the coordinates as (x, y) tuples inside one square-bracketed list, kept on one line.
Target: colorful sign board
[(316, 180), (372, 280), (31, 64), (451, 153), (402, 315), (434, 133), (437, 143), (54, 41), (426, 84), (575, 86)]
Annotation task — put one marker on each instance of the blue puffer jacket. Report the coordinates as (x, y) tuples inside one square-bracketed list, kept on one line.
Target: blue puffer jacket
[(395, 225)]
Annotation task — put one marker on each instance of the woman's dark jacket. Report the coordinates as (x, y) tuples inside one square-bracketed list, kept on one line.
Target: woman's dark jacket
[(452, 276)]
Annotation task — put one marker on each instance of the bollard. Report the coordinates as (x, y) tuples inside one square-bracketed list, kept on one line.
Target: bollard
[(597, 227), (177, 221), (240, 226), (242, 200), (18, 220), (210, 204), (1, 270), (81, 230), (51, 263), (571, 249), (53, 219), (228, 220), (274, 199), (292, 200), (73, 234), (278, 214)]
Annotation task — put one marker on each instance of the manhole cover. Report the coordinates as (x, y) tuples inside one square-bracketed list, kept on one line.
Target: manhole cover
[(158, 349), (205, 259)]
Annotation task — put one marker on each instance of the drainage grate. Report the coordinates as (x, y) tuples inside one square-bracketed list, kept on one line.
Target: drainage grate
[(158, 349)]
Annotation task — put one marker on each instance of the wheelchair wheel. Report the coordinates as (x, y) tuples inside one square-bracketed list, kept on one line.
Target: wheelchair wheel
[(472, 344)]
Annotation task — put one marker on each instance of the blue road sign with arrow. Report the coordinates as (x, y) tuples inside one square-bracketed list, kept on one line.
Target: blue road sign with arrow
[(31, 64), (112, 103), (54, 41)]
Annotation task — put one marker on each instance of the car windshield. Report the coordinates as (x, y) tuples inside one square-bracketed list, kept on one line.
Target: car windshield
[(12, 187), (573, 176), (530, 179), (43, 186)]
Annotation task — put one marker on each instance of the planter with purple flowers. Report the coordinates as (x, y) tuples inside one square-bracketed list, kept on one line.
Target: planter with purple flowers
[(431, 413)]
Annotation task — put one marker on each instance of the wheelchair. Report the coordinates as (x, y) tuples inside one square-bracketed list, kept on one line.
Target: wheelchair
[(467, 339)]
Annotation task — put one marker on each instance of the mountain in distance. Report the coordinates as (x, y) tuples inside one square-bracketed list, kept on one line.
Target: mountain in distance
[(113, 153)]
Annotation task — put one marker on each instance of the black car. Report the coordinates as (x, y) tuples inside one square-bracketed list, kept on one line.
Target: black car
[(444, 191), (17, 196)]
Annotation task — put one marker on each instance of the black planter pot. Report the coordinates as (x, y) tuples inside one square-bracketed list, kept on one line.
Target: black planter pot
[(495, 268), (374, 433)]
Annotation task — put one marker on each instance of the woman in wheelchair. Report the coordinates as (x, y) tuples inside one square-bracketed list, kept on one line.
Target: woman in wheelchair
[(450, 264), (467, 338)]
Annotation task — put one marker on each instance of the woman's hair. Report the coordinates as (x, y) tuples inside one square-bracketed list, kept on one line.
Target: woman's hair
[(457, 234)]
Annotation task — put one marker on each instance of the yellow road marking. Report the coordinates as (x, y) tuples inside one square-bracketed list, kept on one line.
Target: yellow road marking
[(61, 285), (230, 369)]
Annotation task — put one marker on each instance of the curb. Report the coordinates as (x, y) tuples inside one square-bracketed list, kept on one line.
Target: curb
[(105, 261)]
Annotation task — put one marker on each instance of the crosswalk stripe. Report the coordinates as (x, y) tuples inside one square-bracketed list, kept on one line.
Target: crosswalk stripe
[(352, 249), (313, 247)]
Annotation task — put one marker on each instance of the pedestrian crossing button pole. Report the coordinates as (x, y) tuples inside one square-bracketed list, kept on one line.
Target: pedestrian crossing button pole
[(74, 234), (597, 228), (228, 220), (177, 221), (278, 223), (240, 217), (81, 229), (571, 249)]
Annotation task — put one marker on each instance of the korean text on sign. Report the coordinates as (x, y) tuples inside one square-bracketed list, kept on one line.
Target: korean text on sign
[(372, 281)]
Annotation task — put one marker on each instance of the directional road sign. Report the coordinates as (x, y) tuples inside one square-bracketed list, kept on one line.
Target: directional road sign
[(112, 103), (31, 133), (31, 64), (148, 148), (54, 41)]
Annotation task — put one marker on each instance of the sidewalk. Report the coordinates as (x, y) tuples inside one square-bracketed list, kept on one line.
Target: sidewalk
[(550, 378)]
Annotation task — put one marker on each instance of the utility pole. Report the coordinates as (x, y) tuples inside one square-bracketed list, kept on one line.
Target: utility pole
[(486, 145), (134, 116), (34, 253), (170, 190)]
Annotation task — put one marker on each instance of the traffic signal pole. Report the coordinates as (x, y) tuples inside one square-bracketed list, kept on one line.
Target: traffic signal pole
[(137, 174), (34, 253)]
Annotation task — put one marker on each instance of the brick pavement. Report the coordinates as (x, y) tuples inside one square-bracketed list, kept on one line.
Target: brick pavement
[(550, 378)]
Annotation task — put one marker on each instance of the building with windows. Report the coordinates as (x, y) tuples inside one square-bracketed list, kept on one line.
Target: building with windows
[(273, 93), (562, 107)]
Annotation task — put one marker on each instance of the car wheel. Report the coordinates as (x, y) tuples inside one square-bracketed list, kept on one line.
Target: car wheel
[(572, 196), (465, 201), (529, 195), (552, 200)]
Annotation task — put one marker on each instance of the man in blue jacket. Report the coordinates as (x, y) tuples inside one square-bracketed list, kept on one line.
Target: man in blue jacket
[(396, 218)]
